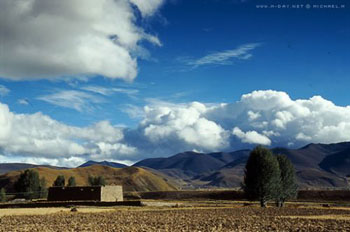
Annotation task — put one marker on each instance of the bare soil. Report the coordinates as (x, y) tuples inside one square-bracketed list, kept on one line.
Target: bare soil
[(181, 218)]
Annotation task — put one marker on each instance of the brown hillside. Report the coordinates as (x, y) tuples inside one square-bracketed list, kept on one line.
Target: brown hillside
[(132, 178)]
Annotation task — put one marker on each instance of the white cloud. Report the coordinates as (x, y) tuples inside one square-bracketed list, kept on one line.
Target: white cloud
[(252, 137), (73, 99), (224, 57), (109, 91), (4, 91), (283, 120), (265, 117), (183, 124), (50, 39), (37, 137), (134, 112), (23, 101), (147, 8)]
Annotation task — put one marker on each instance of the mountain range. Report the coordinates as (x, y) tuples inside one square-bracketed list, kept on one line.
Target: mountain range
[(316, 165), (104, 163)]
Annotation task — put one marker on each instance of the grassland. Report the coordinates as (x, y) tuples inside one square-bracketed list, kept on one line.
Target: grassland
[(183, 217)]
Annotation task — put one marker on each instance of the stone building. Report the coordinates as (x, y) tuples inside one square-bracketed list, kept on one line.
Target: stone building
[(108, 193)]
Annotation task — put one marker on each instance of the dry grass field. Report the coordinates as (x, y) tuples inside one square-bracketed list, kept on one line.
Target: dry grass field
[(132, 178), (184, 217)]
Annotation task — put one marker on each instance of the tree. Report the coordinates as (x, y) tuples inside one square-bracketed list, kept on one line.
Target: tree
[(262, 176), (289, 186), (42, 188), (3, 197), (28, 184), (60, 181), (71, 182), (96, 181)]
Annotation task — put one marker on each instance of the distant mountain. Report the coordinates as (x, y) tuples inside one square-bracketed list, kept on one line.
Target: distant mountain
[(8, 167), (338, 163), (104, 163), (317, 165), (311, 155), (132, 178), (193, 163)]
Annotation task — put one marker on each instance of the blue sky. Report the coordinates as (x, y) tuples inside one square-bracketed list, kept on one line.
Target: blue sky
[(209, 51)]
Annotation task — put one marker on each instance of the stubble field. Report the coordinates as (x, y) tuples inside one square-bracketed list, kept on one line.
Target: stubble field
[(199, 218)]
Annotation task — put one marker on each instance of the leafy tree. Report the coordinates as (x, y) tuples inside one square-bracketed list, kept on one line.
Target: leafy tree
[(60, 181), (288, 181), (28, 184), (43, 188), (262, 176), (71, 182), (97, 181), (3, 197)]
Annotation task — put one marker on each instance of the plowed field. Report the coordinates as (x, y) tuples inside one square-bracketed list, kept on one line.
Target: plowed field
[(185, 219)]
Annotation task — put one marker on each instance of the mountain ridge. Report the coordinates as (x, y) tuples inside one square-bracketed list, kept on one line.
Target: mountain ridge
[(317, 165)]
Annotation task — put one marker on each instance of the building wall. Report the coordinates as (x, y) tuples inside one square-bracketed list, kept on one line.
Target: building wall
[(112, 193), (82, 193), (86, 193)]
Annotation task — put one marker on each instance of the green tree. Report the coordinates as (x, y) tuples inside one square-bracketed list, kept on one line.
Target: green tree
[(28, 184), (60, 181), (3, 197), (96, 181), (289, 186), (43, 188), (71, 182), (262, 178)]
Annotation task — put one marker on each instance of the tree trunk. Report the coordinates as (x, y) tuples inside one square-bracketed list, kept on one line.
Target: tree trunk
[(279, 203), (263, 203)]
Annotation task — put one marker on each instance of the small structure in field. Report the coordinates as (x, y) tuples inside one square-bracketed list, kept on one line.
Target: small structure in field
[(108, 193)]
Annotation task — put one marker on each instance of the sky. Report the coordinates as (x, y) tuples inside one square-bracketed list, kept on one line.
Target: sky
[(125, 80)]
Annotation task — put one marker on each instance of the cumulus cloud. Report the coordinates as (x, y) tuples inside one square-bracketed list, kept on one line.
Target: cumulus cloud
[(182, 124), (39, 137), (266, 117), (252, 137), (50, 39), (274, 115), (224, 57)]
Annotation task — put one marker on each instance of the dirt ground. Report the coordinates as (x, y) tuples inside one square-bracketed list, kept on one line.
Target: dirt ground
[(181, 217), (43, 211)]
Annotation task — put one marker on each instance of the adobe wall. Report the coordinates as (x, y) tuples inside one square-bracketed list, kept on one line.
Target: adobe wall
[(112, 193), (82, 193)]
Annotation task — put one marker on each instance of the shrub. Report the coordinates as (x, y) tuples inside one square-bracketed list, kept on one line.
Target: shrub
[(3, 197), (28, 184), (60, 181), (96, 181), (71, 182)]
